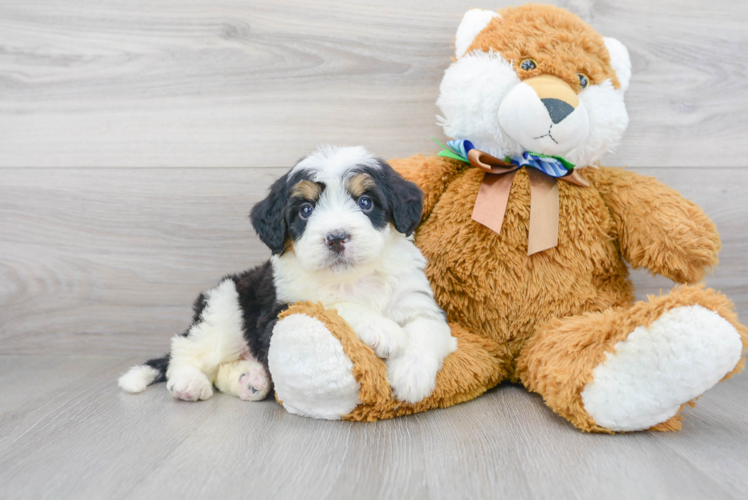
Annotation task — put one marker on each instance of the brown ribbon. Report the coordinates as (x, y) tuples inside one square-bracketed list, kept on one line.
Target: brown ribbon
[(493, 195)]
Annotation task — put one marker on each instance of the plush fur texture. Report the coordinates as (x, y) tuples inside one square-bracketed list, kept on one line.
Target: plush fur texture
[(326, 390), (658, 368), (339, 226), (467, 373), (559, 362), (562, 321), (488, 98)]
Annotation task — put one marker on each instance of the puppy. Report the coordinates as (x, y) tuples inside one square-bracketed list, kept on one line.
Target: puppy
[(339, 226)]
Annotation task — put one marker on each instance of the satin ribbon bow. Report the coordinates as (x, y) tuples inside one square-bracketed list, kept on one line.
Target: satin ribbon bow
[(493, 195)]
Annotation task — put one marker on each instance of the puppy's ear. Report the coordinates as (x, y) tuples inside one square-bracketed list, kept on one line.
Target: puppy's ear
[(405, 200), (268, 216)]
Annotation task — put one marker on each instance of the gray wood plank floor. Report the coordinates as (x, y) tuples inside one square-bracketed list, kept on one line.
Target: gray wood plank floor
[(67, 431)]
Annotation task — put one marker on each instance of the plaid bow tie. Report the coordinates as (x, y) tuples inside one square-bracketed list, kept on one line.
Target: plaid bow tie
[(493, 195)]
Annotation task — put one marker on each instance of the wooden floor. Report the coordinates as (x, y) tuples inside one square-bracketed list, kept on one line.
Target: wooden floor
[(67, 431), (134, 138)]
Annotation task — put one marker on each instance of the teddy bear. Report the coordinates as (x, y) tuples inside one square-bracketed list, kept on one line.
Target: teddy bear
[(527, 240)]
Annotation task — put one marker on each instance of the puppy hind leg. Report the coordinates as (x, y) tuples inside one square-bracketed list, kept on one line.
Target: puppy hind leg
[(245, 378), (215, 337)]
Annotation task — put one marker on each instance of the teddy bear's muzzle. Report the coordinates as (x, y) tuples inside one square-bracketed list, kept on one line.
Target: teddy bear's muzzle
[(544, 115)]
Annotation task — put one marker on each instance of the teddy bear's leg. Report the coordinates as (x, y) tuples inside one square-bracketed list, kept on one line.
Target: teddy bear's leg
[(634, 369), (321, 369), (311, 372)]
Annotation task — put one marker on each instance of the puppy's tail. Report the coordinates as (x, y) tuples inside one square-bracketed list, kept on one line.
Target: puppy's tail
[(139, 377)]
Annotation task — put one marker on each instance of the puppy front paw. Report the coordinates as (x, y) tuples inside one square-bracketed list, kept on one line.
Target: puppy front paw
[(189, 384), (387, 338), (412, 377)]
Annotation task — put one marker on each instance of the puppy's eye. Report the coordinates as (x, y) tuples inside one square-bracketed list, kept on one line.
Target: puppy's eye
[(305, 210), (528, 64), (365, 203), (583, 80)]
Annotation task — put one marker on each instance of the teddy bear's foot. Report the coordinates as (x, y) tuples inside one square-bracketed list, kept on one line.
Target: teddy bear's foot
[(312, 375), (629, 369), (657, 369)]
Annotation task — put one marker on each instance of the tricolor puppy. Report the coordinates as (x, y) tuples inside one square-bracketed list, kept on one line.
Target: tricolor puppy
[(339, 226)]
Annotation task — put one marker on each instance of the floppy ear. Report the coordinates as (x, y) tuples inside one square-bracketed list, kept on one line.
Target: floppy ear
[(405, 200), (619, 61), (473, 22), (268, 216)]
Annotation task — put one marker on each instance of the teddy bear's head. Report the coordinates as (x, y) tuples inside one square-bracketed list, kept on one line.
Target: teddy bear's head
[(535, 78)]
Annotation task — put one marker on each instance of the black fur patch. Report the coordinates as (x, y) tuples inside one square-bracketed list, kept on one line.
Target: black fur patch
[(268, 216), (295, 223), (276, 218), (161, 365), (395, 199), (259, 308)]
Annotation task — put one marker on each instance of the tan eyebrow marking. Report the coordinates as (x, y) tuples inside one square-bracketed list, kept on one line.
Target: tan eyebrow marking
[(359, 184), (307, 190)]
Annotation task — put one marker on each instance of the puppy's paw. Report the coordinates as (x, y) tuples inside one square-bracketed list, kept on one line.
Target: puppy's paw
[(387, 338), (254, 383), (412, 377), (189, 384)]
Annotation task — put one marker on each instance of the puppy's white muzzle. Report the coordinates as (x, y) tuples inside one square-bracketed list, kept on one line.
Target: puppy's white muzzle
[(544, 115)]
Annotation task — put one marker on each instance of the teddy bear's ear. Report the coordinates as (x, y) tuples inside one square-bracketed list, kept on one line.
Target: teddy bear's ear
[(619, 60), (472, 23)]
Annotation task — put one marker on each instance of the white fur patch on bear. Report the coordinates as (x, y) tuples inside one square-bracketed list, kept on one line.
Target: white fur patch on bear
[(657, 369), (473, 22), (608, 121), (313, 377), (137, 378), (470, 95), (619, 61), (475, 86)]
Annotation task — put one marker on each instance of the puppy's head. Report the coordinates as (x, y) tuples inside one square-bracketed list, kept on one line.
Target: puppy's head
[(335, 209)]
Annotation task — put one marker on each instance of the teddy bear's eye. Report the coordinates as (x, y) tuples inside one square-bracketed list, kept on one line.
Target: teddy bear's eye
[(583, 80), (528, 64)]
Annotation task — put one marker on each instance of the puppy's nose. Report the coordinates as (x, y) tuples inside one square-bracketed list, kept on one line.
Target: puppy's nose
[(336, 240), (557, 108)]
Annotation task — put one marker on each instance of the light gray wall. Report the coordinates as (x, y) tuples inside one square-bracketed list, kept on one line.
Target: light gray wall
[(135, 135)]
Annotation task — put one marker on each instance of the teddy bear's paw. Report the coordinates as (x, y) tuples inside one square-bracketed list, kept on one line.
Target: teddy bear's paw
[(657, 369), (312, 375), (412, 376), (189, 384)]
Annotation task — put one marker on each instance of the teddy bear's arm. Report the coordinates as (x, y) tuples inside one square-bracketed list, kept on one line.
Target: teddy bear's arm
[(658, 229), (430, 173)]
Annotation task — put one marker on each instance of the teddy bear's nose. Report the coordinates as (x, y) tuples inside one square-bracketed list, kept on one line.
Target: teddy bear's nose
[(557, 108)]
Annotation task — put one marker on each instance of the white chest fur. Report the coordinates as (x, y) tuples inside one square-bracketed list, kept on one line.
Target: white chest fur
[(376, 285)]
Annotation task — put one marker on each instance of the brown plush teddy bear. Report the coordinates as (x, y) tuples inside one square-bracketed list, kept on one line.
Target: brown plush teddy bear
[(526, 242)]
